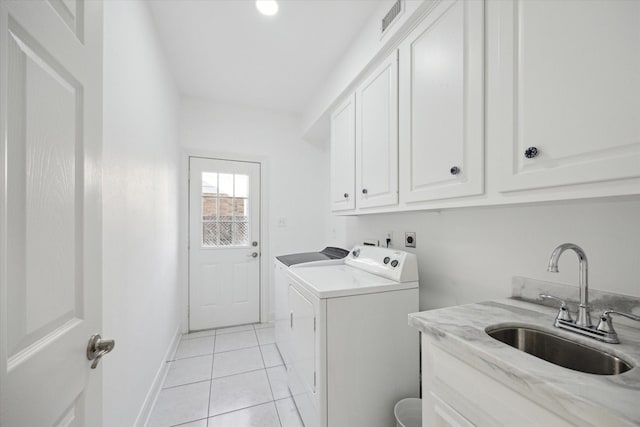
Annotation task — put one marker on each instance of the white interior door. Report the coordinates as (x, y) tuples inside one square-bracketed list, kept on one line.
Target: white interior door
[(224, 243), (50, 211)]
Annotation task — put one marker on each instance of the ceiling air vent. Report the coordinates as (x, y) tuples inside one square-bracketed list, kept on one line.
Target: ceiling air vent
[(391, 15)]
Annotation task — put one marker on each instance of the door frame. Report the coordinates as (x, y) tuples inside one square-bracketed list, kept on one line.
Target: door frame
[(184, 210)]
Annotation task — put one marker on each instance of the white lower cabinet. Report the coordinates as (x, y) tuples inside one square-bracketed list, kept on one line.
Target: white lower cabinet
[(457, 394)]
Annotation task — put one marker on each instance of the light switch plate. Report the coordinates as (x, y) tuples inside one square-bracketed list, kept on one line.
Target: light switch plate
[(410, 239)]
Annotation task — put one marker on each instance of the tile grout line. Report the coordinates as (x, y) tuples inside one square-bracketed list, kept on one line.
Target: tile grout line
[(185, 384), (216, 332), (268, 380), (237, 410), (219, 378), (189, 357), (195, 355), (248, 407), (213, 359), (208, 354), (189, 422), (241, 348)]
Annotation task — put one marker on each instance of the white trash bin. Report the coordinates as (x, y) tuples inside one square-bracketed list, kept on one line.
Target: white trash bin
[(408, 412)]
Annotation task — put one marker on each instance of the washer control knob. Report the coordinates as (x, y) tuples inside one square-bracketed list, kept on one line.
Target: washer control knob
[(386, 260), (394, 263), (356, 253)]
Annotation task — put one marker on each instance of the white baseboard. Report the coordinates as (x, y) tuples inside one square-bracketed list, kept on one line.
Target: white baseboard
[(156, 386)]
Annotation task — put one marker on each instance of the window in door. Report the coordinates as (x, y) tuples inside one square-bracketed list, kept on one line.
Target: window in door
[(225, 209)]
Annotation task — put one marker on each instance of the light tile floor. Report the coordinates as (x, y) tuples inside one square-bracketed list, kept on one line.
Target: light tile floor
[(226, 377)]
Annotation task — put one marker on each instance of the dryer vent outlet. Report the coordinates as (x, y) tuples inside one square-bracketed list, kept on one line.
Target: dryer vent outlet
[(410, 239)]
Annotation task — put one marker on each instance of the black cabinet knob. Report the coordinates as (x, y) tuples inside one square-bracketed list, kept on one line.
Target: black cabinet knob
[(346, 195), (364, 191), (454, 170), (531, 152)]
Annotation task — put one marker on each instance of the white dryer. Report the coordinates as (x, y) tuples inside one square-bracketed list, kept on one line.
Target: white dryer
[(282, 263), (349, 352)]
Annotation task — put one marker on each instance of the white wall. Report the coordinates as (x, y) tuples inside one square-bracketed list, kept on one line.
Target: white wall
[(140, 191), (359, 55), (471, 254), (296, 173)]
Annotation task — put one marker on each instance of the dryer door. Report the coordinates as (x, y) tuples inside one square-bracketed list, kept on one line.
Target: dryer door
[(302, 372)]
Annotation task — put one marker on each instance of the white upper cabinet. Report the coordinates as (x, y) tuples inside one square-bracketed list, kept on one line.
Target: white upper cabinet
[(569, 88), (442, 104), (343, 153), (377, 136)]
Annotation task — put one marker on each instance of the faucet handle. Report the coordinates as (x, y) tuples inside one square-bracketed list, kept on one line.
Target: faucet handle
[(564, 313), (606, 325)]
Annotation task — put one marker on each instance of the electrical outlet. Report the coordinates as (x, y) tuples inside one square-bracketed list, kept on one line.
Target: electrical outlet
[(388, 240), (410, 239)]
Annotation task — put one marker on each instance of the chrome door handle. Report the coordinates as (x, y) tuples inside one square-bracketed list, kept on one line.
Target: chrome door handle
[(253, 255), (97, 347)]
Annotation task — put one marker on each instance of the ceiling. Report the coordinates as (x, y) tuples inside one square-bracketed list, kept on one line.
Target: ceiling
[(227, 51)]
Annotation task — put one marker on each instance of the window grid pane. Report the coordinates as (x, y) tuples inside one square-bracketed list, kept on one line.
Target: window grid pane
[(225, 210)]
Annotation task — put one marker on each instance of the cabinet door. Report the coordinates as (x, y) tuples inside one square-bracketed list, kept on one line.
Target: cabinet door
[(343, 156), (442, 104), (377, 136), (568, 85), (446, 416)]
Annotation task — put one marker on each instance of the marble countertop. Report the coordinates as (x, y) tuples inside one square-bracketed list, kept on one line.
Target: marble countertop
[(599, 399)]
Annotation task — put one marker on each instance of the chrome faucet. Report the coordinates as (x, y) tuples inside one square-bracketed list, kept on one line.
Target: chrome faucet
[(584, 310), (583, 326)]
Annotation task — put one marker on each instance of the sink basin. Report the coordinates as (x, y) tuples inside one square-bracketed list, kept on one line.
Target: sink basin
[(560, 351)]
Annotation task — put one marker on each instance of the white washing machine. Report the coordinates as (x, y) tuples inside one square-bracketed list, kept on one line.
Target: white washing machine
[(349, 352)]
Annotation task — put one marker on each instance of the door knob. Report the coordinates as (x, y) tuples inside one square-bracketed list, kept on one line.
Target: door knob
[(97, 348), (253, 255)]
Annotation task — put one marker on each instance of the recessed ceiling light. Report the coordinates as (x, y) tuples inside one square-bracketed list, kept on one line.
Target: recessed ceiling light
[(267, 7)]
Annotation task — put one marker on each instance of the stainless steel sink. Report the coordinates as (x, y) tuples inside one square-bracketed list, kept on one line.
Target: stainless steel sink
[(560, 351)]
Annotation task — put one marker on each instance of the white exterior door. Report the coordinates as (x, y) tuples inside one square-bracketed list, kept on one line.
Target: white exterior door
[(224, 243), (50, 211)]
